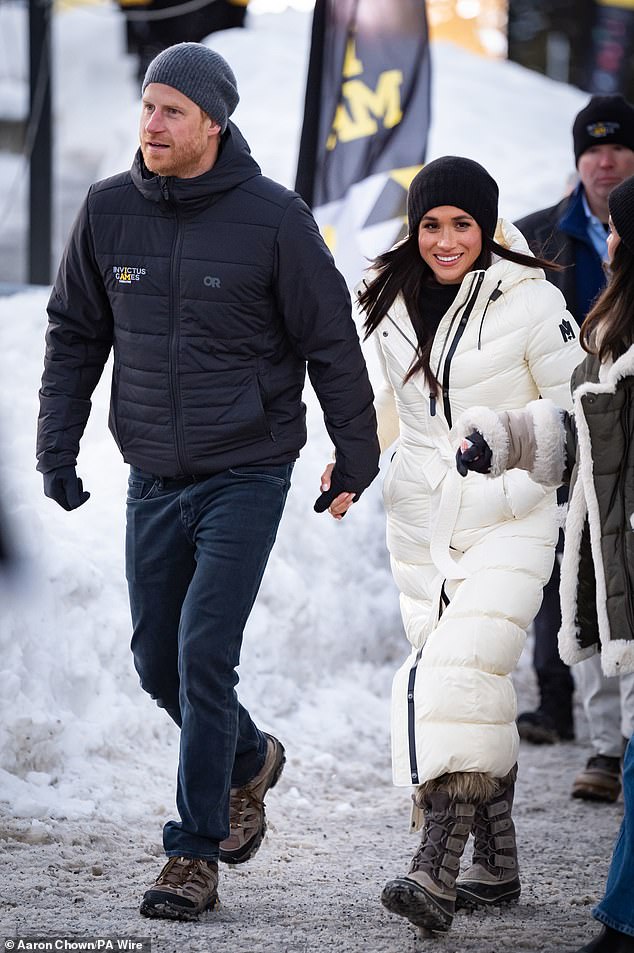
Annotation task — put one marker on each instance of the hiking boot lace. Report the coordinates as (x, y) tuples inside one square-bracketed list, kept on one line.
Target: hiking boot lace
[(432, 845), (189, 873), (245, 807)]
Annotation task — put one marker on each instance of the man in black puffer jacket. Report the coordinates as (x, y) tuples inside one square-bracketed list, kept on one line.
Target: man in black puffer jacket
[(215, 291)]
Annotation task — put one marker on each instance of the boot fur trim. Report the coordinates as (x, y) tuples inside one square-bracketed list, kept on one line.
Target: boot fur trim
[(470, 787)]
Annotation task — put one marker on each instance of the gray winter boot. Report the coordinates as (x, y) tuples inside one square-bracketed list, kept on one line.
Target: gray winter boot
[(426, 895), (493, 876)]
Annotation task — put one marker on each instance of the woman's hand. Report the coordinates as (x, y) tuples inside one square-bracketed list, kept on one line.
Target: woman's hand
[(474, 453), (339, 506)]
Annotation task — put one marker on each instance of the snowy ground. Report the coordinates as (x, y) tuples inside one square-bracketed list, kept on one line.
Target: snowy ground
[(337, 831), (86, 762)]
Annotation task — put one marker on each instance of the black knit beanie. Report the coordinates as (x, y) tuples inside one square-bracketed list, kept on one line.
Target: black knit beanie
[(454, 180), (200, 74), (621, 206), (603, 121)]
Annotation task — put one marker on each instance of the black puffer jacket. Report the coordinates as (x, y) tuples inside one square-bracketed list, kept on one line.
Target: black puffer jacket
[(214, 292)]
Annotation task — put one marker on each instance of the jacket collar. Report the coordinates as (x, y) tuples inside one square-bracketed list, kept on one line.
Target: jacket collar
[(574, 221), (623, 367), (233, 166)]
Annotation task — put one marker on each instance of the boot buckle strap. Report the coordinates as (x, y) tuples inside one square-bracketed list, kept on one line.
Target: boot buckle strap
[(450, 861), (465, 811), (508, 863), (497, 807), (498, 826), (506, 840), (446, 878), (417, 817)]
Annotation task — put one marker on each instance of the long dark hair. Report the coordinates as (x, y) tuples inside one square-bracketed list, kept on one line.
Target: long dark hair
[(608, 329), (401, 270)]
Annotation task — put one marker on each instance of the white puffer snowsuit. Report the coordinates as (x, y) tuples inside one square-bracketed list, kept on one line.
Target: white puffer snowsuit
[(470, 556)]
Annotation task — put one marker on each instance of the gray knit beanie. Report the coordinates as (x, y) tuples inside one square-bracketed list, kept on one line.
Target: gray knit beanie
[(200, 74), (454, 180)]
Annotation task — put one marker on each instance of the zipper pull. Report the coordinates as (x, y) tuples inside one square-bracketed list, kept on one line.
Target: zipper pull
[(432, 405)]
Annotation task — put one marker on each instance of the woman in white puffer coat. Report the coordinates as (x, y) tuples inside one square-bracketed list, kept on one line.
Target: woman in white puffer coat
[(461, 319)]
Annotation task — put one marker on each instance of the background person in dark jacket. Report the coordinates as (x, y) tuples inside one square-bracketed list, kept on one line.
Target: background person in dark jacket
[(213, 287), (574, 233)]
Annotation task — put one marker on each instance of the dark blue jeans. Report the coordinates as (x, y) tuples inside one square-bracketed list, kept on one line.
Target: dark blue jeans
[(195, 555), (616, 909)]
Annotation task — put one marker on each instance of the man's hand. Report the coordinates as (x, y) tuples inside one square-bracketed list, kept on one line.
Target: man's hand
[(332, 498), (474, 454), (64, 486)]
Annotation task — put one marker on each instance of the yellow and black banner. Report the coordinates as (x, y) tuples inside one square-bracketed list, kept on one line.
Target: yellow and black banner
[(366, 121)]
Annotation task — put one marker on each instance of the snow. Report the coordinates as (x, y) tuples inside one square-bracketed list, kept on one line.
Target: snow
[(83, 751)]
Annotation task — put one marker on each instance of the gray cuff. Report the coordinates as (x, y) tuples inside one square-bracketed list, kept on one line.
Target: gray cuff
[(550, 443)]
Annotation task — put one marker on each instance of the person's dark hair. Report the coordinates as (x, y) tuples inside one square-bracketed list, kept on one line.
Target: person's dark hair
[(608, 329), (401, 270)]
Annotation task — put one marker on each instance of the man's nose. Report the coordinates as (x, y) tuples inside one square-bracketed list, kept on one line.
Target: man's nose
[(154, 121)]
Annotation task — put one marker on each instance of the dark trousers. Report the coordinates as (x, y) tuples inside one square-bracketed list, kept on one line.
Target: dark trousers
[(616, 909), (554, 678), (196, 550)]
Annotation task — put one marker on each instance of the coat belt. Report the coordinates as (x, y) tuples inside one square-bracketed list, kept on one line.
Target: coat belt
[(447, 515)]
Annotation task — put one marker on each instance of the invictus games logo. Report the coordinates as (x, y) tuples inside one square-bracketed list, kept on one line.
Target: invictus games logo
[(126, 275), (599, 130)]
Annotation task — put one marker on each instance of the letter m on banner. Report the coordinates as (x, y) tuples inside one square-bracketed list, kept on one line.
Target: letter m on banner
[(366, 120)]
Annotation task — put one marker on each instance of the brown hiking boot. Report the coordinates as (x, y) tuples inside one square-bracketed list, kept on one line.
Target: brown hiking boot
[(426, 896), (185, 888), (247, 814), (600, 780), (492, 879)]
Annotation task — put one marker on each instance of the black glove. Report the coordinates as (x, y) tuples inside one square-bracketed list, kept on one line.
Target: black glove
[(64, 486), (475, 454), (324, 500)]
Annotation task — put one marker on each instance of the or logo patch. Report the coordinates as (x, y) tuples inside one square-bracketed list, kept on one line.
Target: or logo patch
[(567, 332), (210, 282), (599, 130), (126, 275)]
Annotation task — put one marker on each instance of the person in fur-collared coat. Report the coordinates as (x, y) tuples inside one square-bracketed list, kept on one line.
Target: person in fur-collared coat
[(461, 312), (593, 450)]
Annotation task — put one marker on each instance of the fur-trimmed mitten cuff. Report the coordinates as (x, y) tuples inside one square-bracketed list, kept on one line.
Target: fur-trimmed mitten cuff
[(549, 437), (492, 427), (532, 438)]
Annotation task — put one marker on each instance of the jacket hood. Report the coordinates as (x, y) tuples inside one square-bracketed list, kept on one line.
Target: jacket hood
[(233, 166), (507, 235), (502, 274)]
